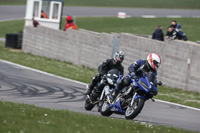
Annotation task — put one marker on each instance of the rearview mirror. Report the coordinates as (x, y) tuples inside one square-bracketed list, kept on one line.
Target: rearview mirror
[(159, 83)]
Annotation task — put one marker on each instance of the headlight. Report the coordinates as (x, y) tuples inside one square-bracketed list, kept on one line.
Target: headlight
[(110, 81), (144, 85)]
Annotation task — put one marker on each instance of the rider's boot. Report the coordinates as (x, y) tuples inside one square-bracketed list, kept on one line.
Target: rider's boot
[(88, 89)]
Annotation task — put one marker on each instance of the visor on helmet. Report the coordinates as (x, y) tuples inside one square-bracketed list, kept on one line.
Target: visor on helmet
[(156, 63)]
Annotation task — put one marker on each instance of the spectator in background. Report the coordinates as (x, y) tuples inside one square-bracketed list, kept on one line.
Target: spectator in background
[(177, 26), (43, 15), (170, 33), (35, 23), (173, 33), (158, 34), (178, 34), (70, 23)]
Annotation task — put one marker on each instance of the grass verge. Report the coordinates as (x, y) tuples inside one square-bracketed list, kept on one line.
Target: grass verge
[(85, 75), (135, 25), (23, 118), (175, 4), (14, 26)]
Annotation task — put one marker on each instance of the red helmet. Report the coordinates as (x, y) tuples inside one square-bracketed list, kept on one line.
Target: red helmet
[(154, 61), (68, 18)]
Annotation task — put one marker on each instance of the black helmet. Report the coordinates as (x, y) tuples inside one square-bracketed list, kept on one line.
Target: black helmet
[(118, 57)]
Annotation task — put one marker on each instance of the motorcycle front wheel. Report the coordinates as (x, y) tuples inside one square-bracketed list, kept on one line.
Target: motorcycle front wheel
[(105, 109), (100, 104), (133, 111)]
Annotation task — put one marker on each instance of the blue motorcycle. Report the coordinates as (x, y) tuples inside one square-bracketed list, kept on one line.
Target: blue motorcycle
[(130, 100)]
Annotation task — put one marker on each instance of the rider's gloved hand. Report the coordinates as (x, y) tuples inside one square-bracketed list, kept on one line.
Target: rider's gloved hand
[(133, 76)]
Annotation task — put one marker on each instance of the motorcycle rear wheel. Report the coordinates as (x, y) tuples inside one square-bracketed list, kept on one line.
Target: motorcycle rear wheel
[(105, 109), (88, 105), (133, 111)]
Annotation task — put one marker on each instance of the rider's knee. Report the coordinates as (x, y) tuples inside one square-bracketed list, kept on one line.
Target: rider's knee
[(97, 78)]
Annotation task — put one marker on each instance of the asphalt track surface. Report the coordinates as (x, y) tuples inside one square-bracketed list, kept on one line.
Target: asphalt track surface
[(25, 85), (18, 12), (30, 86)]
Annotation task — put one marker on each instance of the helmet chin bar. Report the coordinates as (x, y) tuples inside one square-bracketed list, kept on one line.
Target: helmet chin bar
[(117, 62)]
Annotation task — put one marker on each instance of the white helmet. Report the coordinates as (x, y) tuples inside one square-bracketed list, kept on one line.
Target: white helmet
[(154, 61)]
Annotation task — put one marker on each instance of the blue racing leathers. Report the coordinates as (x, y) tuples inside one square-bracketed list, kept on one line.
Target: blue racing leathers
[(136, 70)]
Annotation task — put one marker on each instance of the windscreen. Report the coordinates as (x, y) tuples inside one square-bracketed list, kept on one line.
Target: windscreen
[(151, 77), (113, 74)]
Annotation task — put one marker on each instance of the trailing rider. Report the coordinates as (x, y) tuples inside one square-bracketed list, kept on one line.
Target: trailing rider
[(114, 63)]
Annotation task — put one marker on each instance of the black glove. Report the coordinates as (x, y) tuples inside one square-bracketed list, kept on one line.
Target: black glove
[(139, 72)]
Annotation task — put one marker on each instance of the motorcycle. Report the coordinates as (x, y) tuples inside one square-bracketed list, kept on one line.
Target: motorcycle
[(131, 99), (96, 96)]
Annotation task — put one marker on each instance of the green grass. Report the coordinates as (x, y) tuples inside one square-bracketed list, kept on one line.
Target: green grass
[(85, 75), (178, 96), (12, 2), (174, 4), (135, 25), (11, 27), (24, 118)]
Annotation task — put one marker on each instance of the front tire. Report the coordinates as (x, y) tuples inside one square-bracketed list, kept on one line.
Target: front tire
[(100, 104), (88, 105), (105, 109), (133, 111)]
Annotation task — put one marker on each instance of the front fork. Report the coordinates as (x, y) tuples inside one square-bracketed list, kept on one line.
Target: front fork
[(107, 93), (134, 97), (102, 94)]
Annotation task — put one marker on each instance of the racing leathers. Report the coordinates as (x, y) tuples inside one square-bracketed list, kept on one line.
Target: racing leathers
[(103, 69), (136, 70)]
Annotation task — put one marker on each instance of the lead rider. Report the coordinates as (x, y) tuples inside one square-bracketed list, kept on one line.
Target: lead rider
[(137, 69)]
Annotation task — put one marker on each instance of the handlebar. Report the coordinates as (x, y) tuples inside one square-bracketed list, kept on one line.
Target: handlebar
[(159, 83)]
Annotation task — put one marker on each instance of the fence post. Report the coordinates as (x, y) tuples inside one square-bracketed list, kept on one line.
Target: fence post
[(115, 47)]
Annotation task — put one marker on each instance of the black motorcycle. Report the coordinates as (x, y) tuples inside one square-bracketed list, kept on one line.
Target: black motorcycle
[(96, 96)]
